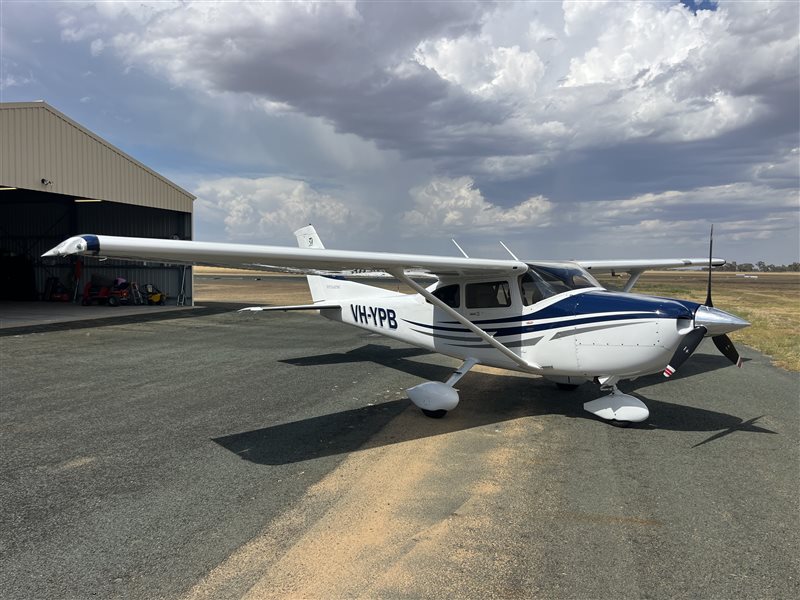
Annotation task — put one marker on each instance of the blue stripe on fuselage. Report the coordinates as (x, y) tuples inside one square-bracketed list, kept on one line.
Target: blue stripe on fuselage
[(575, 310), (601, 301), (503, 331)]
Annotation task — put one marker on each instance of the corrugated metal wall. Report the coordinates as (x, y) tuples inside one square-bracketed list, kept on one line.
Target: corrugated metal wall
[(38, 142)]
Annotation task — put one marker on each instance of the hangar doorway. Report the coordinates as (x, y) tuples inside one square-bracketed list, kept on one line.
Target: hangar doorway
[(32, 222)]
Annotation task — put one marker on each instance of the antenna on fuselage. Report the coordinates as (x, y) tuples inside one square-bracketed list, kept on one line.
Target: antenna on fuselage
[(460, 249), (509, 251)]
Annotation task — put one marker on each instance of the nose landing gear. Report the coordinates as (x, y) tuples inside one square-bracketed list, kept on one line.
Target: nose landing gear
[(619, 408)]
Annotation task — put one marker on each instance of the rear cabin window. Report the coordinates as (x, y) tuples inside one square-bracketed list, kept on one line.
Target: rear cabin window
[(490, 294), (449, 294)]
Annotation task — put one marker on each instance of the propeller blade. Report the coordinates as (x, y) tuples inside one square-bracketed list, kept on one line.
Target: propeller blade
[(725, 345), (690, 343), (710, 255)]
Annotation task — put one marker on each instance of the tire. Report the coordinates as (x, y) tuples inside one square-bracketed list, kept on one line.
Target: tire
[(567, 387), (433, 414), (113, 301)]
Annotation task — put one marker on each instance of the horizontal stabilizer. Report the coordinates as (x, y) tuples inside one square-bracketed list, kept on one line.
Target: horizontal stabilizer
[(293, 307)]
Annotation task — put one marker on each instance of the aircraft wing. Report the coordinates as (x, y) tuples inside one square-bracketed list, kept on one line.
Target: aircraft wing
[(623, 266), (249, 256)]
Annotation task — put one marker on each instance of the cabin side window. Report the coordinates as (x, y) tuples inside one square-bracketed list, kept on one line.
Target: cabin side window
[(449, 294), (489, 294)]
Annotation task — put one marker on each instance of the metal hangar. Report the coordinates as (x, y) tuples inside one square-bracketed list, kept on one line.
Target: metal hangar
[(58, 179)]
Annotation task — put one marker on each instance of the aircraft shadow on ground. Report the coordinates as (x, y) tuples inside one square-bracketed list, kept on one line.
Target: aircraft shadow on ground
[(486, 399), (208, 308)]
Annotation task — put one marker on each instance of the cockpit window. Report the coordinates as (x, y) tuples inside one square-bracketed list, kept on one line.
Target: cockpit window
[(542, 282), (449, 294)]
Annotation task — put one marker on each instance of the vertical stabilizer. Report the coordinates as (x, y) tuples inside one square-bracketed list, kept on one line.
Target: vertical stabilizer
[(329, 288), (307, 237)]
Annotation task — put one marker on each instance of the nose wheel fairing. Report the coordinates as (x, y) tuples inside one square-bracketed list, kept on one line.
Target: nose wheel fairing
[(617, 406)]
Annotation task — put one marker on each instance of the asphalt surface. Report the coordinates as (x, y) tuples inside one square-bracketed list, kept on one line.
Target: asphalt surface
[(233, 455)]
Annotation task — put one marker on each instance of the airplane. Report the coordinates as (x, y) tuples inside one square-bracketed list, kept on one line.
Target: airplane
[(549, 318)]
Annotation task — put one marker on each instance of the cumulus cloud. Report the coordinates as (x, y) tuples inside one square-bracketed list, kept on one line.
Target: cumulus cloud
[(269, 208), (481, 68), (457, 206)]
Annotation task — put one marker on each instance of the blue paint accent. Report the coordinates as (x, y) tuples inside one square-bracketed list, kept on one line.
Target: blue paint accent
[(92, 243), (601, 302), (574, 311), (505, 331), (571, 323), (689, 305)]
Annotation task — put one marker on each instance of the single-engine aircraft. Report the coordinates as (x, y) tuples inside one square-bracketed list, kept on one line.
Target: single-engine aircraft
[(547, 318)]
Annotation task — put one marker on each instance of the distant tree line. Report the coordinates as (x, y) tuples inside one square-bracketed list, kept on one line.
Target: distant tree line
[(760, 266)]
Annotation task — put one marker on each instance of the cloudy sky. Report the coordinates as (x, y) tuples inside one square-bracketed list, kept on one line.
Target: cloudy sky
[(567, 130)]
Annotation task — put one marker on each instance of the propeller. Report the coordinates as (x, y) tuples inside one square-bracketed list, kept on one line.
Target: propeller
[(690, 343), (692, 339), (726, 347)]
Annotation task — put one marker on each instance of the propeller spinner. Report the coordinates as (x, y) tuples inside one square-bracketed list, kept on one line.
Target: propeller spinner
[(708, 319)]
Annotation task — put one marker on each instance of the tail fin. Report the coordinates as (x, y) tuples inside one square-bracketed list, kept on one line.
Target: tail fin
[(307, 238), (329, 288)]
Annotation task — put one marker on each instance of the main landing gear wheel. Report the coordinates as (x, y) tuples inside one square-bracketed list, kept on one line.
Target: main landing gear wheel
[(567, 387), (434, 414)]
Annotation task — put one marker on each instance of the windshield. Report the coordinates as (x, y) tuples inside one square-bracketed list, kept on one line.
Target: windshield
[(541, 282)]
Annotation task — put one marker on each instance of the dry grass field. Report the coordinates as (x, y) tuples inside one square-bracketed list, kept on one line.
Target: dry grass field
[(771, 302)]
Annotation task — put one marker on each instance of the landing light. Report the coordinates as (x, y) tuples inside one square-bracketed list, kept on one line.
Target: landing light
[(87, 200), (7, 188)]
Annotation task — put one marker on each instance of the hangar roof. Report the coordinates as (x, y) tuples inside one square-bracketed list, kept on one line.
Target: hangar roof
[(44, 150)]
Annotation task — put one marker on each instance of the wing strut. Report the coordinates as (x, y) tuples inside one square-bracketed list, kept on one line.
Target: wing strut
[(400, 274), (633, 277)]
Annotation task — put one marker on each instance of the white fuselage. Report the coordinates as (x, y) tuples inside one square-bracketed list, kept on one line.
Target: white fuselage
[(555, 333)]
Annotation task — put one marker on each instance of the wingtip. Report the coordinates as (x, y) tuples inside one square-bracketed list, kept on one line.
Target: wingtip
[(74, 245)]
